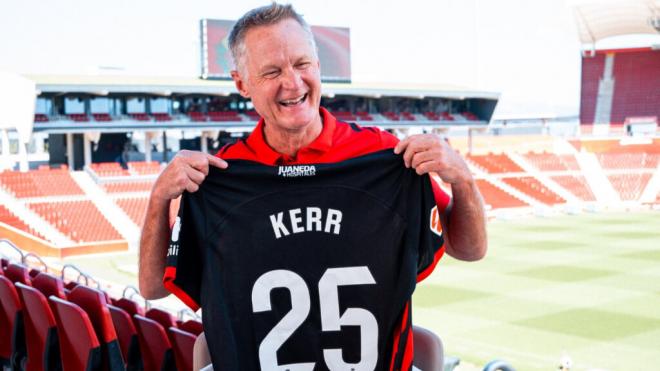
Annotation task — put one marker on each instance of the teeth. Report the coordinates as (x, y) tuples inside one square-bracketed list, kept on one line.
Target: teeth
[(293, 101)]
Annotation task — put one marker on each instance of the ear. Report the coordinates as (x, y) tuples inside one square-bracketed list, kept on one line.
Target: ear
[(240, 84)]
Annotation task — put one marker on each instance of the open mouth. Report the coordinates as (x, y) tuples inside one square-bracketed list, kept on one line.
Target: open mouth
[(293, 102)]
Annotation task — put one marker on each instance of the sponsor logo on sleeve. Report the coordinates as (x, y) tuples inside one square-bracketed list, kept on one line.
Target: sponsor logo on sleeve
[(173, 250), (435, 225)]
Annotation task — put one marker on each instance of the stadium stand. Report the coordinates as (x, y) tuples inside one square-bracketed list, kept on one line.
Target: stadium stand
[(636, 90), (224, 116), (140, 117), (535, 189), (144, 168), (108, 169), (78, 117), (39, 183), (101, 117), (628, 160), (497, 198), (126, 187), (81, 221), (40, 117), (551, 162), (9, 218), (592, 70), (495, 163), (629, 186), (135, 208), (161, 117), (577, 185)]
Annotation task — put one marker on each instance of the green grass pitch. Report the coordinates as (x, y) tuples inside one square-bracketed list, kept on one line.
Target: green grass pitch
[(586, 286)]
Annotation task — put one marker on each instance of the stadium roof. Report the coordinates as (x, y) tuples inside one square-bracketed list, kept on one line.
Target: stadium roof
[(599, 19), (166, 86)]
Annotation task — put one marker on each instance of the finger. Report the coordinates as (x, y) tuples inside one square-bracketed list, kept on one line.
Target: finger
[(195, 175), (423, 156), (192, 187), (401, 146), (217, 161), (411, 150), (425, 167)]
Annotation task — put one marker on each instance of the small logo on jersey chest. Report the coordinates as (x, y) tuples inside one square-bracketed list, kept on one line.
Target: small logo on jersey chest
[(435, 225), (296, 170)]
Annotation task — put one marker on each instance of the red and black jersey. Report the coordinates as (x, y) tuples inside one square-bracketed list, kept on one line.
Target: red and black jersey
[(307, 266)]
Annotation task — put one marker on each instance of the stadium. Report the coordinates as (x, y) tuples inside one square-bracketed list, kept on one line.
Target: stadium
[(570, 280)]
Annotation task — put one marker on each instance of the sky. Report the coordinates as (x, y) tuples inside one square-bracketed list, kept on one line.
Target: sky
[(527, 50)]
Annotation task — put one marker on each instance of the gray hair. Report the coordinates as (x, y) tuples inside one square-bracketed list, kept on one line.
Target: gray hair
[(263, 16)]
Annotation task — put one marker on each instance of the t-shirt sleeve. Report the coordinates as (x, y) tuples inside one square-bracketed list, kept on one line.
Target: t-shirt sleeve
[(431, 202), (183, 270)]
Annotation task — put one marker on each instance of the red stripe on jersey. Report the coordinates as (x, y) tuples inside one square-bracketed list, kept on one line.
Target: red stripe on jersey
[(168, 282), (409, 352), (397, 337), (436, 258)]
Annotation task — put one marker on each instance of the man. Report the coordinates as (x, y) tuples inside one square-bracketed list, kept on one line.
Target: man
[(279, 70)]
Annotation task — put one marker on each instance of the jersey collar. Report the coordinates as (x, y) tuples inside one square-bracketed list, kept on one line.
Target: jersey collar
[(322, 144)]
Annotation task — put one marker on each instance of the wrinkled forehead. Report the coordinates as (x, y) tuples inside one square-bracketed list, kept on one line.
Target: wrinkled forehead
[(285, 39)]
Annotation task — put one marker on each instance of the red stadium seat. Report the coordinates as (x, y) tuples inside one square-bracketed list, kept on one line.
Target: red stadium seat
[(10, 309), (49, 285), (192, 326), (70, 285), (79, 347), (182, 345), (18, 273), (94, 303), (155, 346), (131, 307), (127, 336), (162, 317), (40, 330)]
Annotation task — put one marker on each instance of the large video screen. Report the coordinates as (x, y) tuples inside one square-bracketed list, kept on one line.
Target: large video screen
[(334, 44)]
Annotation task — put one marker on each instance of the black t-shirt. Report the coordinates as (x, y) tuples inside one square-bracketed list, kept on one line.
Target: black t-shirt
[(305, 267)]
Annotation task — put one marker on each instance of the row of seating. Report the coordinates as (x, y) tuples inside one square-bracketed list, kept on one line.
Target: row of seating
[(629, 186), (534, 188), (628, 160), (552, 162), (46, 326), (81, 221), (135, 208), (577, 185), (636, 84), (496, 198), (144, 167), (125, 187), (495, 163), (9, 218), (39, 183)]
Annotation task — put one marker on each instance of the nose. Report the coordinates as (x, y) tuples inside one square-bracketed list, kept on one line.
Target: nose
[(291, 79)]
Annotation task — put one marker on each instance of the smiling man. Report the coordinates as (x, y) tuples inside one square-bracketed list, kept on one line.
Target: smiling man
[(303, 243)]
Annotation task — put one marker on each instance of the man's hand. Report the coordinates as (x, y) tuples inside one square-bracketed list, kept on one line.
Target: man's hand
[(186, 172), (430, 153), (464, 220)]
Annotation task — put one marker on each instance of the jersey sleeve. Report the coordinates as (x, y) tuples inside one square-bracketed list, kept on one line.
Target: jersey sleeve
[(430, 203), (183, 270)]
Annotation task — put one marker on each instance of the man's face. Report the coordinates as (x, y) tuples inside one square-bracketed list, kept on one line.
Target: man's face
[(283, 75)]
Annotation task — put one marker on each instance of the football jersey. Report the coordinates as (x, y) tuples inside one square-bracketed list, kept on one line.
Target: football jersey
[(306, 267)]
